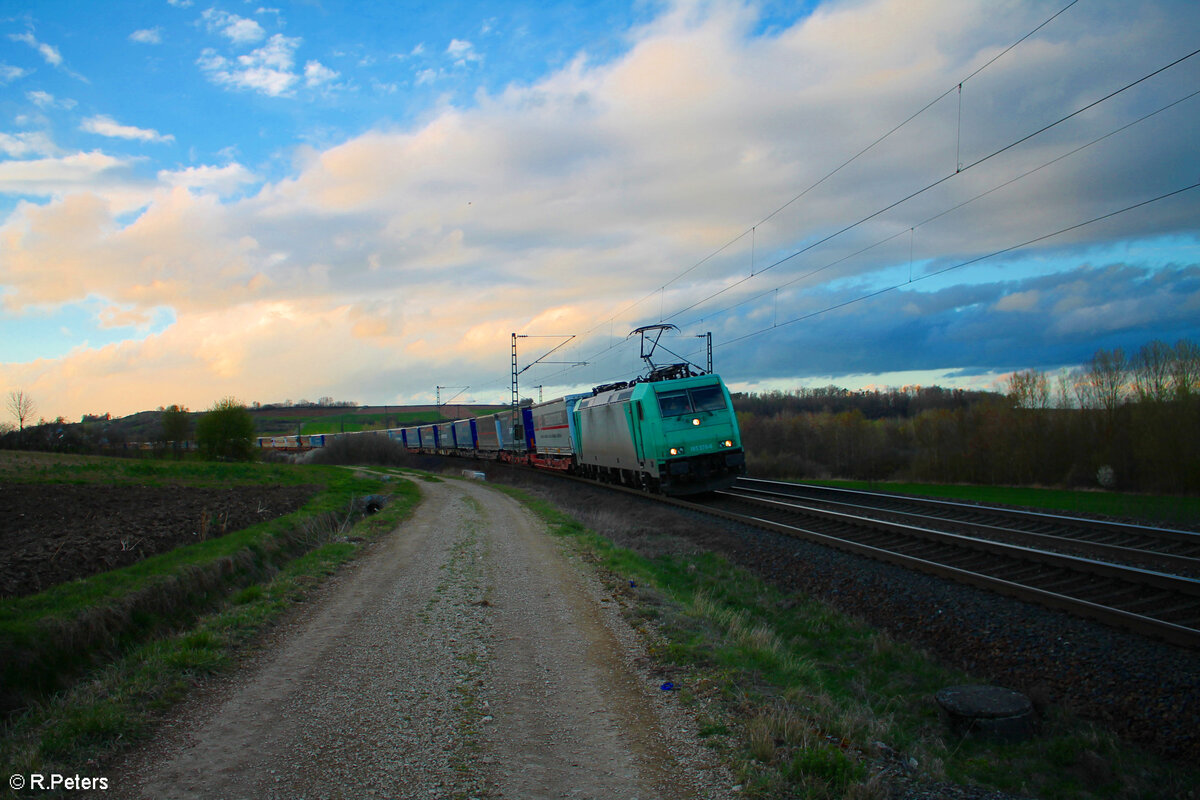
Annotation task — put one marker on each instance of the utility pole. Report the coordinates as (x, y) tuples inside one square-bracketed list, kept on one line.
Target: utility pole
[(516, 397), (461, 389), (516, 400), (707, 336)]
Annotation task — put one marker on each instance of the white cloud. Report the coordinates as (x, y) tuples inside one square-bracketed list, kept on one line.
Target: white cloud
[(223, 180), (462, 51), (239, 30), (9, 73), (104, 125), (317, 74), (46, 100), (267, 70), (48, 52), (20, 145), (49, 176), (147, 36)]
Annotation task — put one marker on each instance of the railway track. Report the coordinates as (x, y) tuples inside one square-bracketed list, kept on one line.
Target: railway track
[(1135, 577), (1159, 549)]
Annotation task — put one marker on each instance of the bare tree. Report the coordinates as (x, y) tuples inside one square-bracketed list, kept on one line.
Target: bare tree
[(1029, 389), (21, 405), (1107, 375), (1065, 384), (1085, 392), (1152, 372), (1185, 368), (176, 421)]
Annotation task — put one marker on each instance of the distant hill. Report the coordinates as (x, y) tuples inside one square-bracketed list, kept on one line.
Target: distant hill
[(275, 420), (308, 420)]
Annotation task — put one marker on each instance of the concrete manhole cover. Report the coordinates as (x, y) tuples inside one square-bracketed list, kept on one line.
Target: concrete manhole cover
[(987, 711)]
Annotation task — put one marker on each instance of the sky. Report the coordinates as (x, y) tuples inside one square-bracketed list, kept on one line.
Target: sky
[(364, 201)]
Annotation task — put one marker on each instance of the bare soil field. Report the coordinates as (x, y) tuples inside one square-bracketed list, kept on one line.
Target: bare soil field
[(53, 533)]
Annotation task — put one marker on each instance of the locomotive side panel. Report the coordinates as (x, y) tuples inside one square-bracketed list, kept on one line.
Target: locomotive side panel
[(605, 435)]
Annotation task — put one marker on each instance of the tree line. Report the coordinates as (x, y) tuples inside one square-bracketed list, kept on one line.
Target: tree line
[(1120, 421), (224, 432)]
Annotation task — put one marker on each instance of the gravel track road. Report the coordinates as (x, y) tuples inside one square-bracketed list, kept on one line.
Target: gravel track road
[(467, 654)]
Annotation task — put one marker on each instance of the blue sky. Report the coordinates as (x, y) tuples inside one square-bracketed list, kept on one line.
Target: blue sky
[(363, 200)]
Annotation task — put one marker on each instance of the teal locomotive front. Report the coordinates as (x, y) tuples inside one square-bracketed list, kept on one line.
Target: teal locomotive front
[(675, 436)]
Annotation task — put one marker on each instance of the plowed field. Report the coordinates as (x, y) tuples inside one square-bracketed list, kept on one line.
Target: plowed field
[(52, 533)]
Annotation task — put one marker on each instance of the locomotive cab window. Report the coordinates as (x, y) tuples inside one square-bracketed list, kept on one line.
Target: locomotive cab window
[(707, 398), (672, 404)]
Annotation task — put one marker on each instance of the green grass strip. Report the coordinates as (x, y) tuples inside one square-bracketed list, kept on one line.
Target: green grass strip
[(1167, 510)]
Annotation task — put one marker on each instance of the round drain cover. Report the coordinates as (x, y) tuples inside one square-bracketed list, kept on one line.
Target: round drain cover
[(988, 711)]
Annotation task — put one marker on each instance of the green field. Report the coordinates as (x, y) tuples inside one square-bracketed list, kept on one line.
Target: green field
[(1162, 510), (356, 423), (351, 421)]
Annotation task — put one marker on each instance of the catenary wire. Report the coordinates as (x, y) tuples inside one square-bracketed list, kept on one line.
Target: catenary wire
[(979, 161), (957, 86), (960, 265), (931, 185), (950, 210)]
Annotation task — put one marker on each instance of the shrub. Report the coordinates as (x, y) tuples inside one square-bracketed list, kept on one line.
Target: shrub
[(362, 448), (226, 432)]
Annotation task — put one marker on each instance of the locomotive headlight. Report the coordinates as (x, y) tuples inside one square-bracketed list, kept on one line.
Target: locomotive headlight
[(696, 421), (727, 443), (676, 451)]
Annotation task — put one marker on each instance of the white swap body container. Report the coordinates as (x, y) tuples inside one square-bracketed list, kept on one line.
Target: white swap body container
[(554, 425)]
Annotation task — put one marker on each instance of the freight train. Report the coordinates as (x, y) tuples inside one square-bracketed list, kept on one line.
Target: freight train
[(672, 432)]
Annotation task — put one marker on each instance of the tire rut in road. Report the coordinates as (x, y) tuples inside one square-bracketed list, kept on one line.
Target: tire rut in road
[(464, 656)]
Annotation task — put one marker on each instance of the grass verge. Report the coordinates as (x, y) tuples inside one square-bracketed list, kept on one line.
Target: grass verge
[(49, 637), (1167, 510), (806, 702)]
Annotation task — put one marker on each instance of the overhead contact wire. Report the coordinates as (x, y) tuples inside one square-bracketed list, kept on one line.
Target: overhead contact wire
[(962, 264), (840, 167), (953, 208), (937, 183)]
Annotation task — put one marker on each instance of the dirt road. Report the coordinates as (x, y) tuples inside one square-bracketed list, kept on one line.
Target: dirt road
[(466, 655)]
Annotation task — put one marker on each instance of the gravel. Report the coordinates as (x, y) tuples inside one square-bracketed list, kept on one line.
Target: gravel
[(1146, 691), (465, 655)]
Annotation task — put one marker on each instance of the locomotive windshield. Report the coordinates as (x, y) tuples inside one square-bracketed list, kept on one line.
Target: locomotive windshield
[(690, 401), (674, 403), (707, 398)]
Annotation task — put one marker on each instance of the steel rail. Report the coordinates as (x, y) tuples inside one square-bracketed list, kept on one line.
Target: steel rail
[(1175, 588), (1165, 561), (1184, 635), (1130, 582), (1187, 539)]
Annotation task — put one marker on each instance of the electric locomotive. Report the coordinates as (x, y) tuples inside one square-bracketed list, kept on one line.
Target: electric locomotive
[(674, 433)]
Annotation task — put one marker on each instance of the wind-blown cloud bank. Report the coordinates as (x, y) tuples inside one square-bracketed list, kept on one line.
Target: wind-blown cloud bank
[(604, 196)]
